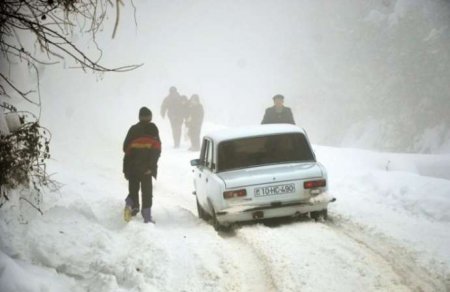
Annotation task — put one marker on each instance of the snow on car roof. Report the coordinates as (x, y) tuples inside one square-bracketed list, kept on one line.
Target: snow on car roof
[(251, 131)]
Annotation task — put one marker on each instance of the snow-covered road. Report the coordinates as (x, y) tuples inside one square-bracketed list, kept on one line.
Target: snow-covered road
[(81, 242)]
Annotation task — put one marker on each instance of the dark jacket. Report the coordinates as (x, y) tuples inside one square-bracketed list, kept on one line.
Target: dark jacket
[(195, 116), (142, 148), (271, 116), (174, 107)]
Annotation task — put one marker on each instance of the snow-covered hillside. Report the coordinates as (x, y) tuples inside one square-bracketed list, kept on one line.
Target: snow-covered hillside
[(388, 230)]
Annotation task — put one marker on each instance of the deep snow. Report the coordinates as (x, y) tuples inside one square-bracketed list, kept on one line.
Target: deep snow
[(388, 230)]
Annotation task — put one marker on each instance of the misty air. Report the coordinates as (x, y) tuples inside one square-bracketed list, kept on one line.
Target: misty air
[(225, 145)]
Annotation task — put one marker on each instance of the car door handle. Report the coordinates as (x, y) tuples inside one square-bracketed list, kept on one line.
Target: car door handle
[(199, 175), (206, 179)]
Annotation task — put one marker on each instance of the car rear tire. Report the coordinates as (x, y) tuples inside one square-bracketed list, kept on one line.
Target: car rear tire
[(217, 226), (201, 213), (316, 215), (214, 221), (325, 214)]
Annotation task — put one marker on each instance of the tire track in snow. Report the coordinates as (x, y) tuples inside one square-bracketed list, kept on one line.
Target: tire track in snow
[(278, 266), (402, 261), (193, 260), (311, 256), (250, 265), (238, 267)]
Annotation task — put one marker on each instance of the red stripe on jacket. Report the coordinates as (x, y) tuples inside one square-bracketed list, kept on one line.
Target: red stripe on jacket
[(144, 143)]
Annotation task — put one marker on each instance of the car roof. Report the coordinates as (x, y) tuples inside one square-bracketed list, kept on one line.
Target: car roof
[(253, 131)]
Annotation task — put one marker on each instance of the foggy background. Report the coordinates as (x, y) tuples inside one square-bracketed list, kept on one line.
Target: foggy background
[(367, 74)]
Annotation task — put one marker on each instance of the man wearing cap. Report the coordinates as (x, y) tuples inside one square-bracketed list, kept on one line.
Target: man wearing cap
[(142, 148), (278, 114)]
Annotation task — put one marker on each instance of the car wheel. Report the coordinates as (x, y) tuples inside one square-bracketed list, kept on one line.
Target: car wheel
[(215, 223), (316, 215), (325, 214), (217, 226), (201, 213)]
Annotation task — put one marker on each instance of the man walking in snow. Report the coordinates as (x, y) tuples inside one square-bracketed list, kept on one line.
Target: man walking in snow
[(176, 110), (142, 148), (278, 113)]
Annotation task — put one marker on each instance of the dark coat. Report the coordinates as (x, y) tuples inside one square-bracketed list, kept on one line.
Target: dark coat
[(271, 116), (175, 107), (142, 148), (195, 116)]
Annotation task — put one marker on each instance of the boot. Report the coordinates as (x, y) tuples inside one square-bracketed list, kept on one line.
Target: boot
[(147, 214), (130, 209), (127, 213)]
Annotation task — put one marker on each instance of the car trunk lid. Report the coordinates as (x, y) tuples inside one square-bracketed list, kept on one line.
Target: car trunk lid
[(272, 184)]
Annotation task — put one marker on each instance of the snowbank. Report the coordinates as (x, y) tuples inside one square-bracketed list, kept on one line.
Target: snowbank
[(398, 202)]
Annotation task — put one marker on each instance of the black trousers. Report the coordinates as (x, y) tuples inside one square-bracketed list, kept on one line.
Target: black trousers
[(143, 182)]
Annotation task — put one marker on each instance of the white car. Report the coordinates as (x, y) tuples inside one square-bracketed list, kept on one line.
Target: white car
[(257, 172)]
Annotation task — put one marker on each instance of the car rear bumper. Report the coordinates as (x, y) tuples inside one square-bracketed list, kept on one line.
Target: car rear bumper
[(256, 212)]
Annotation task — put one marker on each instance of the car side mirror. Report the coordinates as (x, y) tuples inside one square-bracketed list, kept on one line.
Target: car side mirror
[(195, 162)]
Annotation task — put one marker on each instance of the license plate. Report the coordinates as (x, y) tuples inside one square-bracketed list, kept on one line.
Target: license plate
[(275, 190)]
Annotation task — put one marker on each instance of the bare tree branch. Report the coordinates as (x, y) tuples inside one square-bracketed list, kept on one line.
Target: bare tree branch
[(117, 18), (32, 205), (52, 23), (21, 93)]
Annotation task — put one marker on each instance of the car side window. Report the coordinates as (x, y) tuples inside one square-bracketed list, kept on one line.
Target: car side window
[(206, 154), (203, 152), (209, 155)]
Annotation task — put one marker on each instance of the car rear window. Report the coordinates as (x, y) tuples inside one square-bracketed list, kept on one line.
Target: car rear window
[(257, 151)]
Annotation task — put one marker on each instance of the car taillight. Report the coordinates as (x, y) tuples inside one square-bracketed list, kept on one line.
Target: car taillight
[(314, 184), (234, 194)]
